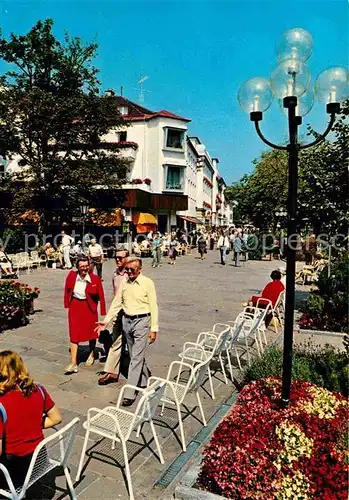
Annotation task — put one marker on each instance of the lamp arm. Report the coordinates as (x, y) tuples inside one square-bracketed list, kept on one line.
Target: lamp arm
[(274, 146), (322, 136)]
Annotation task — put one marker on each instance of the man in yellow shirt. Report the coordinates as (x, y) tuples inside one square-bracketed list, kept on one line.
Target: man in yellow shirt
[(137, 297)]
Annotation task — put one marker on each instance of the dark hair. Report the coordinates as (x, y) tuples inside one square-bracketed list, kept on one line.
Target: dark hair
[(276, 275), (82, 258)]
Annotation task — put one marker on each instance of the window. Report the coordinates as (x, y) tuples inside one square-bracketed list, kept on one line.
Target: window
[(174, 178), (123, 110), (122, 136), (174, 138)]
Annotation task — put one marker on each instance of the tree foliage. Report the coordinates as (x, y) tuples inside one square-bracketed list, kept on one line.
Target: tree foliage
[(322, 190), (53, 119)]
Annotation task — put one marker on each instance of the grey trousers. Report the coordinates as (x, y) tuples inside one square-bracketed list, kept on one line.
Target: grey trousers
[(136, 333)]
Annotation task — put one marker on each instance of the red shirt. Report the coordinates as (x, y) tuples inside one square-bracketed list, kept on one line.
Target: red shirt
[(22, 431), (272, 291)]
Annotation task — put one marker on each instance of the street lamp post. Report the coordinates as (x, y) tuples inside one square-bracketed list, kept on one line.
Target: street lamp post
[(290, 82), (84, 211)]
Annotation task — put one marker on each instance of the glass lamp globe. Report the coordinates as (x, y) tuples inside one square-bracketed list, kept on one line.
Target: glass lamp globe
[(296, 43), (304, 103), (331, 85), (290, 78), (255, 95)]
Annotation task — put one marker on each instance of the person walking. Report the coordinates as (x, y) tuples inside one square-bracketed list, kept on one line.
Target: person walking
[(95, 251), (112, 364), (156, 249), (172, 249), (137, 297), (223, 246), (82, 293), (67, 242), (202, 246), (238, 243)]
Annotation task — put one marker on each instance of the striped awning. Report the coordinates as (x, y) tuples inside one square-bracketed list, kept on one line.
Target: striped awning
[(191, 219)]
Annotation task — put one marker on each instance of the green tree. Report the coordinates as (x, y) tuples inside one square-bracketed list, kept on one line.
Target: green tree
[(264, 191), (53, 119), (323, 181)]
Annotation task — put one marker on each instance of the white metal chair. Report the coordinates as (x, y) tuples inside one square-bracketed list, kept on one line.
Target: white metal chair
[(177, 388), (52, 452), (215, 345), (275, 310), (116, 423), (249, 327)]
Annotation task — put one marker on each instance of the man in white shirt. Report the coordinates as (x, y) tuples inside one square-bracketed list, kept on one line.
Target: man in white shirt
[(96, 253), (66, 244)]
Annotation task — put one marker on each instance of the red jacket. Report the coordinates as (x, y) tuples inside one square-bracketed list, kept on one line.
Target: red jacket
[(94, 292), (272, 291)]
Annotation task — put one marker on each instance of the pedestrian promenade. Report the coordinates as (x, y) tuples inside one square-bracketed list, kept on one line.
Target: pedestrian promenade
[(193, 295)]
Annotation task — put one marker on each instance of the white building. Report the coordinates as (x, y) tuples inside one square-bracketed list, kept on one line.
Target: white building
[(155, 142)]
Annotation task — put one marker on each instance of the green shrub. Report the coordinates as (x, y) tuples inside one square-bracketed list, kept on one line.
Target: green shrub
[(13, 240), (254, 245), (327, 307), (323, 366)]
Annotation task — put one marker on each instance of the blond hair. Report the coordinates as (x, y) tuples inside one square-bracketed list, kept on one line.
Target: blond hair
[(14, 374), (134, 259)]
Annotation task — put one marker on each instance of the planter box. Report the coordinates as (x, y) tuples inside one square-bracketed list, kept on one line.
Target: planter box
[(186, 490)]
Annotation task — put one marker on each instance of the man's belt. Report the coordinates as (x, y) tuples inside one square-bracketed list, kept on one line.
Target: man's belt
[(137, 316)]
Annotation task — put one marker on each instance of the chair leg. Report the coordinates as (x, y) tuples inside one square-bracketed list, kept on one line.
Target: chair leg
[(127, 470), (70, 483), (162, 409), (83, 451), (201, 410), (156, 441), (210, 382), (229, 364), (181, 429), (238, 359), (223, 369)]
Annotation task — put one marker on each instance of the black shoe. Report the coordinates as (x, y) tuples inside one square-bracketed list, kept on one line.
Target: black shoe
[(127, 402)]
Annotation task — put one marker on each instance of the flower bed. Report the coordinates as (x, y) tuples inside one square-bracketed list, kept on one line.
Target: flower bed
[(16, 303), (265, 452)]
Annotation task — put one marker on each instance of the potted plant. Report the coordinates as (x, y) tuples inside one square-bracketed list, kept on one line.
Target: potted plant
[(147, 181)]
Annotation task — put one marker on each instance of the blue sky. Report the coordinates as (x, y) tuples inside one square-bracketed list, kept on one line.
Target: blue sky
[(196, 54)]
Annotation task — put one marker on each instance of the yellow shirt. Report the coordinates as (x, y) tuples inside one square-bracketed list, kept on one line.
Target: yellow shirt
[(136, 297)]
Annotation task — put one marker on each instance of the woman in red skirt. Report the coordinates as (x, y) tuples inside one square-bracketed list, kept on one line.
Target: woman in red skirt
[(82, 293)]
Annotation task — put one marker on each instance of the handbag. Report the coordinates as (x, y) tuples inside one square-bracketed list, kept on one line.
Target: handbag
[(104, 337), (227, 251)]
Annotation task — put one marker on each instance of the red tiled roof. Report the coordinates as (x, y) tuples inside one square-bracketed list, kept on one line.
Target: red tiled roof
[(139, 113)]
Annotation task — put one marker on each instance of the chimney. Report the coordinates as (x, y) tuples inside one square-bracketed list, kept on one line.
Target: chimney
[(110, 93)]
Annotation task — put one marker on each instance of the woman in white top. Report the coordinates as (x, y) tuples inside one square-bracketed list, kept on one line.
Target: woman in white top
[(223, 245)]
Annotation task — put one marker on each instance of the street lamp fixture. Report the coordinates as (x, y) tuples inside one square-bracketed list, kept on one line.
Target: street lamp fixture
[(290, 81)]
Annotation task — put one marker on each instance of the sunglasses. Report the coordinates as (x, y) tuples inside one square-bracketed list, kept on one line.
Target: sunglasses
[(130, 269), (119, 258)]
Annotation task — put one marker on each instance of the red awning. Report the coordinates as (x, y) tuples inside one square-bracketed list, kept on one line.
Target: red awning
[(194, 220)]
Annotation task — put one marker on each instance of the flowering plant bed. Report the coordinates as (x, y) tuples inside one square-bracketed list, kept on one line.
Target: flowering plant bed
[(262, 451), (16, 303)]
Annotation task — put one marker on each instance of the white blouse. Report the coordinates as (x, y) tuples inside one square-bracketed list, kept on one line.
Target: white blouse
[(80, 286)]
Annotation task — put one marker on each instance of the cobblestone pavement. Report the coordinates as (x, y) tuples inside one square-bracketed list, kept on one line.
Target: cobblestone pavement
[(193, 295)]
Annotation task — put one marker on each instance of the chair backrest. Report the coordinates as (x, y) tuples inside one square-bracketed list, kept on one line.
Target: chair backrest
[(197, 376), (148, 403), (51, 452), (219, 328), (280, 301), (223, 338)]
